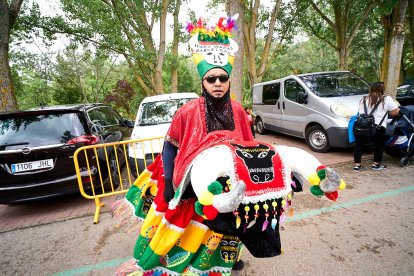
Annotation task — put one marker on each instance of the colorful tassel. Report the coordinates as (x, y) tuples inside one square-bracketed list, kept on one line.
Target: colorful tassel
[(238, 219), (266, 222), (256, 215)]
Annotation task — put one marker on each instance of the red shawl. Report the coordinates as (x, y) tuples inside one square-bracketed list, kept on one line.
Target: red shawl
[(188, 132)]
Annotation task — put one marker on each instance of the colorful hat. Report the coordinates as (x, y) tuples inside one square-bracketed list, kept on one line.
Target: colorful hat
[(213, 47)]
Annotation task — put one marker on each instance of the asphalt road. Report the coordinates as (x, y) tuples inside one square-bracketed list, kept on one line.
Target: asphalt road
[(368, 231)]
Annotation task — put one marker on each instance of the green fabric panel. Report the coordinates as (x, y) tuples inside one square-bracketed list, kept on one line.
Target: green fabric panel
[(140, 247), (205, 258), (141, 205)]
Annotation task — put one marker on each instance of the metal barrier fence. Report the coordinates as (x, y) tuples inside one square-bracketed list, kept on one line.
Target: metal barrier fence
[(109, 169)]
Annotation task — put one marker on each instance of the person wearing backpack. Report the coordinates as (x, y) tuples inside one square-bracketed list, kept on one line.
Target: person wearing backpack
[(378, 105)]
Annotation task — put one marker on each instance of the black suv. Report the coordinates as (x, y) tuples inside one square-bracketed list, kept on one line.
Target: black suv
[(37, 147)]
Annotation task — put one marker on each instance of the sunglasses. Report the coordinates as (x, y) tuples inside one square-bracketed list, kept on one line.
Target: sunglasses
[(213, 79)]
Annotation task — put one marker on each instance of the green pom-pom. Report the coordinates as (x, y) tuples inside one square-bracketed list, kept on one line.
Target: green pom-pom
[(316, 191), (199, 208), (215, 188), (321, 174)]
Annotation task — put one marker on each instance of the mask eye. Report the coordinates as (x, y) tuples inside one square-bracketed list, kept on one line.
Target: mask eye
[(262, 154), (246, 154)]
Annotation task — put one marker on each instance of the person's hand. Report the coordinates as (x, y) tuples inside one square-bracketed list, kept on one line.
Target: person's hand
[(168, 190)]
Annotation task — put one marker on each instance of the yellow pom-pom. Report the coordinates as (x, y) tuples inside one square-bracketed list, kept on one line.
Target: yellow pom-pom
[(206, 198), (256, 207), (314, 179), (247, 208), (289, 196), (342, 185)]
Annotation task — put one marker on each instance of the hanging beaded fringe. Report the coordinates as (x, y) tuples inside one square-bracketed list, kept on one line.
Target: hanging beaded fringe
[(270, 213)]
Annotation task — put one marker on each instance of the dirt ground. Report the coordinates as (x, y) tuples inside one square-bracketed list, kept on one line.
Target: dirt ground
[(368, 231)]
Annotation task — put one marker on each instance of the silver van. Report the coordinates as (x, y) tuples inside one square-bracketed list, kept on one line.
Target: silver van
[(314, 106)]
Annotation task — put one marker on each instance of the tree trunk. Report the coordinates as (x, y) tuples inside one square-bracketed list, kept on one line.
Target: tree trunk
[(395, 48), (7, 95), (174, 63), (234, 7), (256, 71), (159, 86), (411, 31)]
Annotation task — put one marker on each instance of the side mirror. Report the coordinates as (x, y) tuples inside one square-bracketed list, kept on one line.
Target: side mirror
[(302, 97), (129, 123)]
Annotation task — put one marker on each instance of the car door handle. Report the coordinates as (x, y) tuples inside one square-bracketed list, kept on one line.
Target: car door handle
[(283, 105), (278, 105)]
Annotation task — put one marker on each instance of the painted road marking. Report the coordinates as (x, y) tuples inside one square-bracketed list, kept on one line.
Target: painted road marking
[(296, 217)]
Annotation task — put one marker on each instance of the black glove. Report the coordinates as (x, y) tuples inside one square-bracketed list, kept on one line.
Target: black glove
[(168, 190)]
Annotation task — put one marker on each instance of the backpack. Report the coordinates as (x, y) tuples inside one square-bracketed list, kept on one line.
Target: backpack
[(365, 123)]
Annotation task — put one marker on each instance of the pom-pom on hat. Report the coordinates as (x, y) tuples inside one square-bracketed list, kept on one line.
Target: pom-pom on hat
[(213, 47)]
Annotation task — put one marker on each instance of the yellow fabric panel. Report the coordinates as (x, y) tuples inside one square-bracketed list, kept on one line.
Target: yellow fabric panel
[(150, 220), (212, 239), (164, 239), (192, 238), (142, 179)]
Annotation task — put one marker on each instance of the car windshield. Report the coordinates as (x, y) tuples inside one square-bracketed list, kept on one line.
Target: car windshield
[(33, 130), (160, 112), (335, 84)]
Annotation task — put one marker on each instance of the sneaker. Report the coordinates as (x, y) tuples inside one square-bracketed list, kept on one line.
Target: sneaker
[(357, 168), (378, 167), (238, 265)]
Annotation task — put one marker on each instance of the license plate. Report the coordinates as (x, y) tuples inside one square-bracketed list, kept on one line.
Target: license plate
[(31, 166)]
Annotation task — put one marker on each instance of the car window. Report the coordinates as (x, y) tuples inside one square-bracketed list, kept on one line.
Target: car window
[(110, 117), (292, 88), (271, 93), (335, 84), (34, 130), (160, 112)]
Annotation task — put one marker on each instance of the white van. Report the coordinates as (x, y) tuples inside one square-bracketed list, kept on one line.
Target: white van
[(314, 106), (153, 119)]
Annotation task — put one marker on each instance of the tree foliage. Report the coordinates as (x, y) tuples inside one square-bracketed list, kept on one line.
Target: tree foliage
[(336, 22)]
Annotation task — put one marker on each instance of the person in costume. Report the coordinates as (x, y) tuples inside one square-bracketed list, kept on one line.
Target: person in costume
[(197, 125), (214, 187)]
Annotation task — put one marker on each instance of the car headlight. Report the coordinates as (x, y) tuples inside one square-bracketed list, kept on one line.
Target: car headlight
[(342, 110)]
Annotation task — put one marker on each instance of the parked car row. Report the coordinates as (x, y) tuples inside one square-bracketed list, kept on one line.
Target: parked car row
[(37, 147)]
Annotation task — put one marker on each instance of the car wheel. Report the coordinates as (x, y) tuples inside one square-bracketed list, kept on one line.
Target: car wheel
[(317, 139), (404, 161), (260, 126)]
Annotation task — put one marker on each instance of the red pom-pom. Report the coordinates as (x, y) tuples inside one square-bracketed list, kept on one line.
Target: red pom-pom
[(210, 212), (332, 196), (320, 168)]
